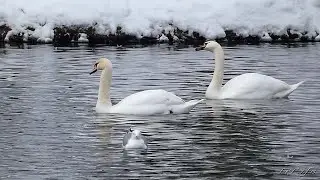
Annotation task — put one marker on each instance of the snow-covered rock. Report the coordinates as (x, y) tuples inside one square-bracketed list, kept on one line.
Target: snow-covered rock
[(145, 18), (83, 38)]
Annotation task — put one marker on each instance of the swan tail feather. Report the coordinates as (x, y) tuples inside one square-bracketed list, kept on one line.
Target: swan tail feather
[(186, 107), (293, 87)]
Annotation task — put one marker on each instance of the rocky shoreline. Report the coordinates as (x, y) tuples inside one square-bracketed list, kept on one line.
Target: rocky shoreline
[(65, 35)]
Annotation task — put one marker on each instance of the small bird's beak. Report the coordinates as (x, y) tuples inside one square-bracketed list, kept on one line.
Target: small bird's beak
[(200, 48)]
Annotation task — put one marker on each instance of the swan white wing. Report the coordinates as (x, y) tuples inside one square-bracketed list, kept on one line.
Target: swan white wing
[(151, 97), (253, 86)]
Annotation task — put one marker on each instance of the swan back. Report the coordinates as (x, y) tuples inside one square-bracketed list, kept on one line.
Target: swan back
[(152, 97), (253, 86), (150, 102)]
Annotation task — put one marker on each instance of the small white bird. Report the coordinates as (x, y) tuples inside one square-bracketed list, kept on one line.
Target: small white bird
[(134, 140)]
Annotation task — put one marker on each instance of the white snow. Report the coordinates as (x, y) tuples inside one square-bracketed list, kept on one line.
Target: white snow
[(10, 33), (83, 38), (175, 38), (266, 37), (44, 40), (146, 17), (163, 38)]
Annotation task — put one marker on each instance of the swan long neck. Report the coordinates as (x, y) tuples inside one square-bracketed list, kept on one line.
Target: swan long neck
[(216, 82), (104, 87)]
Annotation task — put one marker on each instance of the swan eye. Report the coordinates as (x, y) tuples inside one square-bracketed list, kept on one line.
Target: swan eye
[(95, 65)]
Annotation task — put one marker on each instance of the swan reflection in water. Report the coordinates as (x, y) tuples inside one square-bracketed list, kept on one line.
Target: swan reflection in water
[(253, 107)]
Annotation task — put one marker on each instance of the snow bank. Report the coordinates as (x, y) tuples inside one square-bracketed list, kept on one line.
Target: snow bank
[(145, 18)]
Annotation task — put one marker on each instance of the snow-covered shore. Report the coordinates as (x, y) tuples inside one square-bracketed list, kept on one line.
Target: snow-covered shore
[(144, 21)]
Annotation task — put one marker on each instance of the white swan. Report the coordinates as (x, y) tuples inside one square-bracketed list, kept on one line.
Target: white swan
[(147, 102), (245, 86)]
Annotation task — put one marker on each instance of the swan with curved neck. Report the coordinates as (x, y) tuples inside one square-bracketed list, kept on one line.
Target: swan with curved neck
[(245, 86), (146, 102)]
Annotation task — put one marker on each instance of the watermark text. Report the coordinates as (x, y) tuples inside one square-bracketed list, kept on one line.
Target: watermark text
[(298, 171)]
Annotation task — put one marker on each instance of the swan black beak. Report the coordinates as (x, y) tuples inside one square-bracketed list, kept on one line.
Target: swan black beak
[(94, 68), (93, 71), (200, 48)]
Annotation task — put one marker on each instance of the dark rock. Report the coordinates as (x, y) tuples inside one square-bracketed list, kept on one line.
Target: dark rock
[(95, 38), (284, 38), (170, 37), (148, 40), (230, 35), (275, 37), (16, 38), (291, 35), (61, 36), (252, 39), (122, 39), (304, 38), (32, 40), (64, 35), (4, 29), (30, 28)]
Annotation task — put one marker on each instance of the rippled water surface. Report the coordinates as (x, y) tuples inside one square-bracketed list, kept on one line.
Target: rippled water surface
[(49, 129)]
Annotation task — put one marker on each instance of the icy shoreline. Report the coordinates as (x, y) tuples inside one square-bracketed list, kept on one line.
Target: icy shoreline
[(65, 35), (166, 21)]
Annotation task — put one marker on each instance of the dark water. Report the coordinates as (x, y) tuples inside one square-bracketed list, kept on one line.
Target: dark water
[(49, 129)]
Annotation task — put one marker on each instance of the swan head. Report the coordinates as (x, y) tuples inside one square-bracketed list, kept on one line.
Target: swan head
[(101, 64), (208, 46)]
